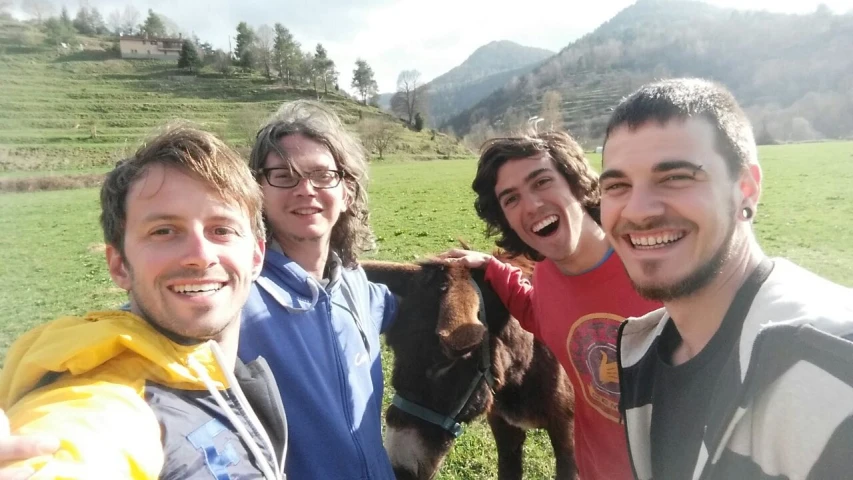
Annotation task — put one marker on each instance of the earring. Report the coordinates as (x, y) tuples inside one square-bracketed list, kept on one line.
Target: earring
[(747, 213)]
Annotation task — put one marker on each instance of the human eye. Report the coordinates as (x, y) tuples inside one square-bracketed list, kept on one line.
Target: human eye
[(678, 179), (281, 174), (225, 231), (509, 200), (613, 188), (542, 182), (324, 177), (162, 231)]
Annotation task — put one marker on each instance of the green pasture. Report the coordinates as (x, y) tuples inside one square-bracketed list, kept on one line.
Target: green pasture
[(52, 260)]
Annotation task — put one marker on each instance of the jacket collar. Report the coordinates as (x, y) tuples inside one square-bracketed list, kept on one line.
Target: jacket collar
[(293, 287)]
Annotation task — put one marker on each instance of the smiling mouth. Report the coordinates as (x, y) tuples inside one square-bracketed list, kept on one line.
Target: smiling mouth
[(197, 289), (654, 241), (547, 226), (307, 211)]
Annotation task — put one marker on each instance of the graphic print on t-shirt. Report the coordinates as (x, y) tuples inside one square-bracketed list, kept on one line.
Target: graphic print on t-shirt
[(591, 344)]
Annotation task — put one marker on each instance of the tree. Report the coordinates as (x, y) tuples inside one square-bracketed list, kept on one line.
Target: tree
[(222, 63), (551, 114), (129, 20), (324, 68), (308, 72), (189, 58), (363, 81), (264, 45), (419, 122), (41, 9), (64, 18), (88, 21), (57, 33), (153, 26), (286, 53), (409, 98), (244, 51), (378, 134)]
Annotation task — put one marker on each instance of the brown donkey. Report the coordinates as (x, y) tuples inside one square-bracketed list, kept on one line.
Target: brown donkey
[(458, 354)]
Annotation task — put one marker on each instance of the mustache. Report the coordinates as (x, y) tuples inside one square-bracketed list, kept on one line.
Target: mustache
[(655, 223)]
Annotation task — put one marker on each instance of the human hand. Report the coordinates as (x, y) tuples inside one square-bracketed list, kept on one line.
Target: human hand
[(13, 447), (468, 258)]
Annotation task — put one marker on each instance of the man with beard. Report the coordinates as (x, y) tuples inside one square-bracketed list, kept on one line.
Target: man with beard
[(540, 195), (745, 372)]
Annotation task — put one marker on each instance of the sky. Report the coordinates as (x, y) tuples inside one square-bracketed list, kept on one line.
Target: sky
[(430, 36)]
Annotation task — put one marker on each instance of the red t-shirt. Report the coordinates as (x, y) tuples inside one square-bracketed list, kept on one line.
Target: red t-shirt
[(577, 317)]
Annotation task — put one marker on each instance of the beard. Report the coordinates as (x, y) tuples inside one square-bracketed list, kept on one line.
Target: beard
[(695, 280)]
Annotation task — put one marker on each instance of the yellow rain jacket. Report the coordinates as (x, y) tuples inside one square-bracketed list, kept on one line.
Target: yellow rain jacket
[(128, 402)]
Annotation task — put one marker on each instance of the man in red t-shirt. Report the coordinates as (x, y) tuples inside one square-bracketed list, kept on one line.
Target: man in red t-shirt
[(540, 196)]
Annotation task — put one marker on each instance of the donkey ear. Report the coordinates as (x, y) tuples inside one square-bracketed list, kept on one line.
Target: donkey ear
[(396, 276)]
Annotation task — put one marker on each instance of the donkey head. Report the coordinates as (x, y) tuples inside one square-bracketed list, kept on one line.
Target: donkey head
[(442, 370)]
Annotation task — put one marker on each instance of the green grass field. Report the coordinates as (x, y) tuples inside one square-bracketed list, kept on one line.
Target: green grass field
[(77, 111), (53, 261)]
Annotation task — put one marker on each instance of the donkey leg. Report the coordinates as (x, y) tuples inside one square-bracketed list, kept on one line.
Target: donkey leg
[(562, 440), (509, 440)]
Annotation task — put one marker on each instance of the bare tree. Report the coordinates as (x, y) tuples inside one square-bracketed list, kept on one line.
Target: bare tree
[(41, 9), (378, 134), (129, 20), (410, 97), (551, 112), (114, 22), (264, 39)]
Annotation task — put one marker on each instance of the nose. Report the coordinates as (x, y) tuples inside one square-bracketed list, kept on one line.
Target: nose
[(531, 203), (304, 187), (200, 251), (642, 204)]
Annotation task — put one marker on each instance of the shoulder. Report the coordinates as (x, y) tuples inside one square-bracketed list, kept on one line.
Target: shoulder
[(638, 334)]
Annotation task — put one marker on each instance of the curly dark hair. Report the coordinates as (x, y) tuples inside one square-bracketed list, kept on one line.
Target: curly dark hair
[(569, 160)]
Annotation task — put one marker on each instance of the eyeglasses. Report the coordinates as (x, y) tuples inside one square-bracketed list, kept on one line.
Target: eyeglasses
[(283, 177)]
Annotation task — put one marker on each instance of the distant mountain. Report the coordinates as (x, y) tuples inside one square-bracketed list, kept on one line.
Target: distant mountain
[(793, 73), (487, 69)]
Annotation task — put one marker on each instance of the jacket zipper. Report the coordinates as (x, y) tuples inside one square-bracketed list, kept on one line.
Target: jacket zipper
[(621, 401), (344, 386)]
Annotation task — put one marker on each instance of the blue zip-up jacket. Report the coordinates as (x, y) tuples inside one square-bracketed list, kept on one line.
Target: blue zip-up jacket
[(326, 361)]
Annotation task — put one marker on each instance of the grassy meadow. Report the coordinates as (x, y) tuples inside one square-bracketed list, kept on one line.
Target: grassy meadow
[(53, 263), (65, 116)]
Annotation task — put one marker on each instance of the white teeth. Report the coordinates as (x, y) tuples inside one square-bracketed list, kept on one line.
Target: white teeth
[(306, 211), (198, 288), (655, 241), (544, 223)]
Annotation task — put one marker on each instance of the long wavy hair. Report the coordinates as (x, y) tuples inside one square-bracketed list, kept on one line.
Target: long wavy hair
[(567, 157), (351, 235)]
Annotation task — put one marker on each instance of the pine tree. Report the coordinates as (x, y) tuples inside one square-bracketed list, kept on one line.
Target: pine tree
[(363, 81), (189, 58), (286, 53), (153, 25), (244, 50)]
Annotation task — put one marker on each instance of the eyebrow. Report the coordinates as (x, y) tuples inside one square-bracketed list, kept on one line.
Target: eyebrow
[(157, 217), (530, 176), (665, 166), (669, 165)]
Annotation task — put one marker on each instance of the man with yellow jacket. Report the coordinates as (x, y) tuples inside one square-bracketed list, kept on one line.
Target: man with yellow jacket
[(158, 391)]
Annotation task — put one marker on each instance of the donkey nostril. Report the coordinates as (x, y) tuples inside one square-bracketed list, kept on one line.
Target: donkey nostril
[(443, 333)]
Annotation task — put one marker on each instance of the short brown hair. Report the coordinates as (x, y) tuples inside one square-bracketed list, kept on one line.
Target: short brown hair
[(351, 235), (569, 160), (683, 98), (194, 151)]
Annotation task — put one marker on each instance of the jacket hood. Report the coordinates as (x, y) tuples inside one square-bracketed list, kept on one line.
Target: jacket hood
[(77, 345)]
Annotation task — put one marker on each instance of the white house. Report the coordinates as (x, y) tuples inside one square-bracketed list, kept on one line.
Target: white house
[(143, 46)]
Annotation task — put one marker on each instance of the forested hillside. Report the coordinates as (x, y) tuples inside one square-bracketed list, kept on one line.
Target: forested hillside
[(793, 73)]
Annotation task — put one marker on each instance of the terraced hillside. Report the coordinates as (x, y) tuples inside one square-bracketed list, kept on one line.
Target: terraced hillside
[(82, 109)]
